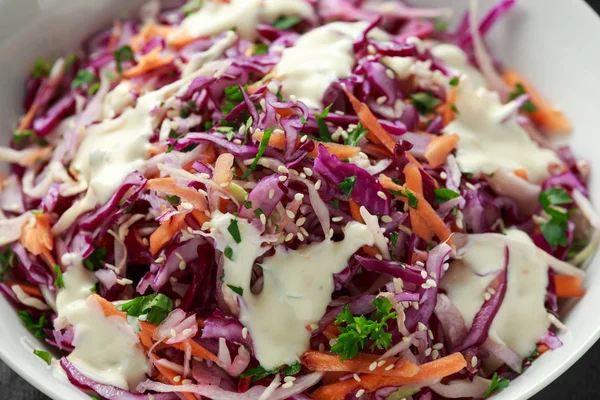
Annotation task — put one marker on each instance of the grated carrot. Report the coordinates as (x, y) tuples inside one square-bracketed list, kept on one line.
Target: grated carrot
[(341, 151), (147, 63), (165, 232), (414, 183), (149, 32), (521, 173), (362, 363), (439, 149), (169, 186), (37, 238), (568, 286)]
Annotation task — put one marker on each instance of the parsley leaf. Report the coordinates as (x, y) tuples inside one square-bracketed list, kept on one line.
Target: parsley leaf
[(292, 369), (33, 326), (228, 252), (496, 385), (335, 203), (19, 136), (324, 133), (554, 230), (44, 355), (443, 195), (261, 48), (236, 289), (393, 243), (454, 81), (440, 25), (413, 201), (191, 7), (347, 185), (174, 200), (6, 260), (94, 261), (554, 196), (157, 306), (261, 150), (425, 102), (355, 135), (40, 68), (519, 91), (82, 78), (234, 231), (123, 54), (286, 22), (258, 373), (93, 89), (355, 331), (58, 282)]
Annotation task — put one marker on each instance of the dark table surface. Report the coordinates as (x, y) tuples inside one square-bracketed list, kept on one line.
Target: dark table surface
[(578, 383)]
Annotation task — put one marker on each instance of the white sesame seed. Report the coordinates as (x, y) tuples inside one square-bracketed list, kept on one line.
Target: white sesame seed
[(321, 347), (273, 88), (300, 236), (371, 49), (424, 274), (289, 237), (159, 260), (203, 192), (282, 178), (263, 219), (373, 366), (173, 333), (360, 393), (237, 141), (287, 385), (302, 175), (177, 378), (289, 379), (337, 219), (443, 175), (177, 302), (459, 224), (430, 334), (298, 197), (307, 171), (271, 193), (406, 339), (491, 290), (330, 232), (263, 104), (390, 366), (405, 304), (428, 351), (318, 185), (381, 195), (303, 138), (205, 226), (204, 175), (431, 283), (182, 265), (487, 296), (469, 185), (389, 73), (446, 266), (293, 98), (381, 363), (474, 361), (290, 214), (426, 286), (356, 377), (433, 274), (378, 256), (304, 231), (244, 332), (386, 219), (438, 346), (421, 326), (381, 100), (300, 221), (186, 331), (187, 206), (186, 382), (224, 184), (435, 354), (420, 263), (415, 305), (283, 169)]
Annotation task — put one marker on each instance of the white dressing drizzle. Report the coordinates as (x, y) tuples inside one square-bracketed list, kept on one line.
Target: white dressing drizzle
[(106, 348), (522, 318), (296, 290)]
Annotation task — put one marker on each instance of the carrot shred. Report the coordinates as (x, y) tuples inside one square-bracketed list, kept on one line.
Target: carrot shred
[(568, 286), (331, 331), (355, 211), (326, 362), (37, 238), (169, 186), (149, 32), (169, 377), (147, 63), (165, 232), (445, 110), (223, 173), (341, 151), (437, 369), (30, 290), (438, 149), (545, 115), (542, 348), (376, 132), (521, 173), (414, 182)]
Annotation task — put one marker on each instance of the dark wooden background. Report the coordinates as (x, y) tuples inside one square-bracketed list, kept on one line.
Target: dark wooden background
[(581, 382)]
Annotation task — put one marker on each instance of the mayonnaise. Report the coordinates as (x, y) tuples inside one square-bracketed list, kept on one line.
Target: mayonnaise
[(106, 348), (522, 319), (457, 60), (297, 286)]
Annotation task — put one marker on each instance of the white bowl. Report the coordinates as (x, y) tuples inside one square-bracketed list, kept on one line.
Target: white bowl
[(552, 42)]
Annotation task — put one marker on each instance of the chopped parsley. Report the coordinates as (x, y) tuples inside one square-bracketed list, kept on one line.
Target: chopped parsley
[(286, 22), (425, 102), (248, 205), (40, 68), (20, 135), (33, 326), (82, 78), (260, 49), (236, 289), (393, 243), (233, 97), (94, 261), (258, 373), (156, 306), (335, 204), (413, 201), (174, 200), (228, 252), (454, 81), (528, 106), (355, 331), (122, 55), (234, 231), (6, 260), (293, 369), (355, 135), (261, 150), (258, 212), (191, 7), (496, 385), (554, 230), (324, 133), (58, 282), (93, 89), (440, 25), (44, 355), (347, 185), (443, 195)]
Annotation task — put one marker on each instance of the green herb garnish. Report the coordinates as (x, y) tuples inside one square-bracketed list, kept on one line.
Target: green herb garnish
[(156, 306)]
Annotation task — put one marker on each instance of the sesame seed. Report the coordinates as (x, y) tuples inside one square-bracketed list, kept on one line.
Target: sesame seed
[(443, 175), (187, 206), (381, 195), (371, 49), (438, 346), (173, 333), (293, 98), (431, 283), (177, 378), (177, 302), (487, 296), (433, 274), (182, 265), (304, 231), (430, 334), (186, 382), (203, 192), (290, 214), (289, 237), (205, 226), (244, 332), (386, 219), (303, 138), (300, 236), (272, 86), (492, 291), (421, 326), (283, 169), (204, 175), (405, 304), (459, 224), (469, 185), (287, 385), (263, 104), (186, 331), (373, 366), (298, 197), (435, 354), (263, 219), (282, 178), (389, 73), (271, 193), (289, 379), (420, 263), (356, 377), (378, 256), (300, 221), (390, 366), (159, 260), (381, 100), (321, 347), (318, 185), (360, 392), (474, 361), (425, 286), (424, 274), (415, 305), (307, 171), (237, 141), (381, 363), (302, 175), (330, 232), (446, 266), (428, 351), (406, 339), (337, 219)]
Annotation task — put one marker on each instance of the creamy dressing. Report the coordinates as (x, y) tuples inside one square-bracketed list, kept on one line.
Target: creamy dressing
[(522, 319), (319, 58), (106, 348), (457, 60), (114, 148), (216, 17), (297, 286)]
